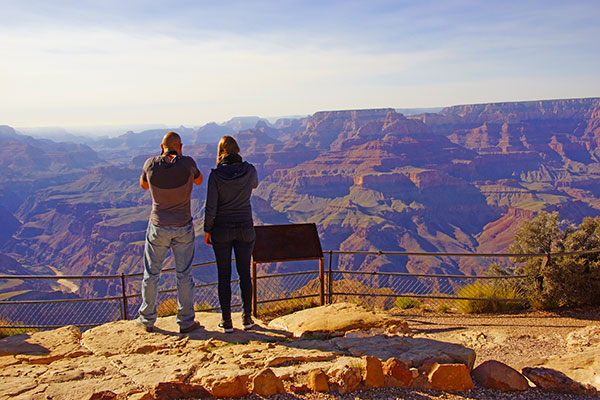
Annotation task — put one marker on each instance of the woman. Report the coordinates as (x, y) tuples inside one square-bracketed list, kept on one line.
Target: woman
[(228, 225)]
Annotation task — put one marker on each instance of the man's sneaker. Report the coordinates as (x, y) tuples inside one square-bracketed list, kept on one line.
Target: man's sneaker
[(248, 323), (147, 328), (190, 328), (227, 326)]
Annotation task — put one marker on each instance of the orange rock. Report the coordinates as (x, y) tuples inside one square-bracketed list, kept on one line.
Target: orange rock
[(348, 379), (105, 395), (178, 390), (450, 377), (235, 386), (318, 381), (397, 373), (373, 372), (266, 383), (496, 375)]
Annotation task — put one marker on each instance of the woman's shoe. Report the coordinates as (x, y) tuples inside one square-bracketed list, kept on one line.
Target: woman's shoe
[(248, 323), (227, 326)]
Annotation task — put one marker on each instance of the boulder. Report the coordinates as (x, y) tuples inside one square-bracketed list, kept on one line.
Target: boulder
[(372, 372), (450, 378), (266, 383), (318, 381), (397, 373), (333, 318), (496, 375), (555, 381)]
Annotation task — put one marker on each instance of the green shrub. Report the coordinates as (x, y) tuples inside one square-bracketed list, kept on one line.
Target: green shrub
[(405, 303), (488, 291), (202, 306), (14, 329), (167, 307), (444, 308), (557, 281)]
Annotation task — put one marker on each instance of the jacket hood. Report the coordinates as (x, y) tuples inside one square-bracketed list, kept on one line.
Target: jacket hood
[(236, 173)]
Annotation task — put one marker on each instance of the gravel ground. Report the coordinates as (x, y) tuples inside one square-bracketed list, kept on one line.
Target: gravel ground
[(510, 338)]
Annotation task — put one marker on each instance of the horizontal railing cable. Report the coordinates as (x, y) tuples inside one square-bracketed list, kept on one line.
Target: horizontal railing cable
[(342, 271), (453, 254)]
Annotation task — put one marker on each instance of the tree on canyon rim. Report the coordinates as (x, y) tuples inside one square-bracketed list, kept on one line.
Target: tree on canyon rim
[(570, 280)]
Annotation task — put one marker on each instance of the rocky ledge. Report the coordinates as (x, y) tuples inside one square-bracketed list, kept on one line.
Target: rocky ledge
[(336, 348)]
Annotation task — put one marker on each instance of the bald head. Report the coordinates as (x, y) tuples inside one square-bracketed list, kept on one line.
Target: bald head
[(171, 141)]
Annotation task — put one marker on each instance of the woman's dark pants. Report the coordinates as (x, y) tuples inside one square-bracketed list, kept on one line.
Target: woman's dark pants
[(241, 240)]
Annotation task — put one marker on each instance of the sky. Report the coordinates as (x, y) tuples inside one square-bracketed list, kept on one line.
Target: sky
[(190, 62)]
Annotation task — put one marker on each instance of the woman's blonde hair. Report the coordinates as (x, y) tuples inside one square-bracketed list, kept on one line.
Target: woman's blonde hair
[(227, 146)]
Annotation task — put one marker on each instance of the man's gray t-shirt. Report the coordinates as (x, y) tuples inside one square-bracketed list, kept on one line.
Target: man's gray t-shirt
[(171, 184)]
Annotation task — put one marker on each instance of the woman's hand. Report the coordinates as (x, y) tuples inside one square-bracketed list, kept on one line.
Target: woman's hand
[(207, 238)]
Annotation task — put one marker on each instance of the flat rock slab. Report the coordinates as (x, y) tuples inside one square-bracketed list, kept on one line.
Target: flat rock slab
[(414, 352), (43, 347), (68, 378), (338, 317)]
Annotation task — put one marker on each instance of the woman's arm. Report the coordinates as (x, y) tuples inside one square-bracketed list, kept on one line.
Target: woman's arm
[(210, 208)]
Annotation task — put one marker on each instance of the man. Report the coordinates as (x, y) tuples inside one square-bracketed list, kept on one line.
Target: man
[(170, 178)]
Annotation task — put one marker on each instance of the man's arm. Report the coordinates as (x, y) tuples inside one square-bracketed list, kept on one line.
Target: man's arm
[(254, 179), (144, 183), (198, 179)]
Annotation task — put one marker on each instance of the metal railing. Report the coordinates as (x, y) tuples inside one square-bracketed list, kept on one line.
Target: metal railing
[(275, 293)]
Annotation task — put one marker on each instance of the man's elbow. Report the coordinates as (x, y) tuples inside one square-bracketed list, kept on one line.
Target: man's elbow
[(144, 185), (198, 180)]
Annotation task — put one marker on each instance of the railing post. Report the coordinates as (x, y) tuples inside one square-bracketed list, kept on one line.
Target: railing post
[(330, 278), (322, 280), (125, 313), (254, 291), (540, 278)]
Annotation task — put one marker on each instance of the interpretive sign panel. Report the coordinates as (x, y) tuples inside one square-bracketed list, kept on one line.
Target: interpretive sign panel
[(278, 243)]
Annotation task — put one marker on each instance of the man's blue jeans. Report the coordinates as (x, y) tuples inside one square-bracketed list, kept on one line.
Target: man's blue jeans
[(181, 242), (241, 240)]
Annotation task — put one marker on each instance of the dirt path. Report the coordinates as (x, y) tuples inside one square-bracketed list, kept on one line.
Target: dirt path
[(513, 339)]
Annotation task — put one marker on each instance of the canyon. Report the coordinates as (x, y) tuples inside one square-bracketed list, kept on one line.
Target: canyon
[(460, 180)]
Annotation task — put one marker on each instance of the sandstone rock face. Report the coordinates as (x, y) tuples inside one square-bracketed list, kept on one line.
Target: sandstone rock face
[(496, 375), (556, 381), (450, 377)]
